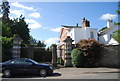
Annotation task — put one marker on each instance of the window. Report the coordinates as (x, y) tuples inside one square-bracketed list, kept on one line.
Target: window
[(21, 62), (91, 34)]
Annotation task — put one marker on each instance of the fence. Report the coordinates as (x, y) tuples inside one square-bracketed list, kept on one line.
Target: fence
[(37, 53)]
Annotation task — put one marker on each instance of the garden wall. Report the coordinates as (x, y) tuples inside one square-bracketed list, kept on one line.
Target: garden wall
[(110, 56)]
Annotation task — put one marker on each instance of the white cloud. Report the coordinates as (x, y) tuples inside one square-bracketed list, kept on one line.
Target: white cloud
[(51, 41), (17, 12), (56, 29), (33, 23), (108, 16), (16, 4), (46, 27), (35, 15)]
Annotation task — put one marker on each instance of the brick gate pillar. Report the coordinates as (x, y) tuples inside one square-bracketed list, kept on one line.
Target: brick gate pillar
[(68, 48), (54, 55), (16, 49)]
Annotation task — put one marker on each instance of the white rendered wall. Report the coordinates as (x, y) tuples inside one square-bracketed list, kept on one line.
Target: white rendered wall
[(79, 34), (94, 33), (82, 33), (106, 39)]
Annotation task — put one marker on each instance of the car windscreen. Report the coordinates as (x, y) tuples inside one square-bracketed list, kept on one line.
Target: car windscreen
[(34, 61)]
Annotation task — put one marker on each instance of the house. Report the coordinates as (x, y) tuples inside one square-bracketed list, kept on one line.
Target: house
[(76, 33), (105, 36)]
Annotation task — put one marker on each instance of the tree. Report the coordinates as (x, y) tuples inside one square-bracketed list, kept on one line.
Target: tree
[(118, 12), (32, 41), (6, 46), (20, 27), (5, 18), (16, 26), (5, 11), (41, 44), (116, 35), (5, 30), (11, 27)]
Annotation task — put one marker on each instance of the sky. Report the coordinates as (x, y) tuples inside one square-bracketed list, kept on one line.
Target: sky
[(46, 18)]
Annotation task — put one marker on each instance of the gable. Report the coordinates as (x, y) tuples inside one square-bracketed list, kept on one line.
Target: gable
[(63, 31), (108, 30)]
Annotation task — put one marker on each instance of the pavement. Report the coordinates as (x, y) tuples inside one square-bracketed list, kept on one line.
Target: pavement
[(75, 73), (88, 73)]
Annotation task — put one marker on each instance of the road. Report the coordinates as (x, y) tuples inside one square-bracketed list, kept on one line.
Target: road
[(74, 73)]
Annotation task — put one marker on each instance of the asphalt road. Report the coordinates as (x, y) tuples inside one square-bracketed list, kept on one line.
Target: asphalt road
[(73, 73)]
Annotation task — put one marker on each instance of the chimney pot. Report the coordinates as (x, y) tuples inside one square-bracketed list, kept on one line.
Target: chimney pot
[(85, 23), (109, 23)]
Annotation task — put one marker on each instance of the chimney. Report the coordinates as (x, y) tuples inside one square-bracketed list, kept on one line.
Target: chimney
[(85, 23), (109, 23), (77, 25)]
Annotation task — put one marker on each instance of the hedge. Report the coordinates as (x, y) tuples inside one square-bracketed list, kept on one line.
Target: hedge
[(77, 58)]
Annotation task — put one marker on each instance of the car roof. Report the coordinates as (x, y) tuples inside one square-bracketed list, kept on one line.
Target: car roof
[(20, 59)]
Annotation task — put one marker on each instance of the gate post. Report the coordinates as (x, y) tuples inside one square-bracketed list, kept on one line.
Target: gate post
[(68, 48), (54, 55), (16, 49)]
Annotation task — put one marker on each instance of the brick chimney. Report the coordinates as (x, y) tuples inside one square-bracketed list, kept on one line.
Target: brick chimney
[(85, 23)]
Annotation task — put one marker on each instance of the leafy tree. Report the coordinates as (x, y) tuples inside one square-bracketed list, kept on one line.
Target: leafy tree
[(5, 11), (16, 26), (48, 49), (6, 46), (6, 30), (5, 18), (116, 35), (20, 27), (11, 27), (41, 44), (32, 41)]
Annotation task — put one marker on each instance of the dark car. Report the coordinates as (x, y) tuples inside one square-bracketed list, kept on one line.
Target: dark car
[(24, 65)]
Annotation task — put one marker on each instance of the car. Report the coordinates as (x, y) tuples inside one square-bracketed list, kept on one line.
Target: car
[(25, 65)]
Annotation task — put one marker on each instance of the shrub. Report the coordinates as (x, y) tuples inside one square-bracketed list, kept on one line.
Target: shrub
[(77, 57), (91, 50)]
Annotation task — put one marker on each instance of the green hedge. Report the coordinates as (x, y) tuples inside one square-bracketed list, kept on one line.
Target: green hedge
[(77, 58)]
